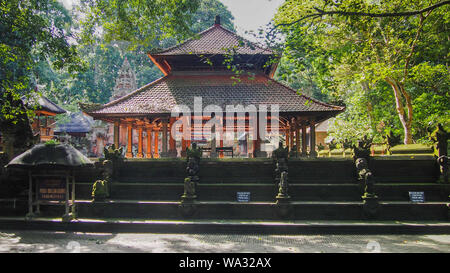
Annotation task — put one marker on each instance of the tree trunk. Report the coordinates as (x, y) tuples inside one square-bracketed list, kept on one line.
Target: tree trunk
[(369, 107), (405, 116)]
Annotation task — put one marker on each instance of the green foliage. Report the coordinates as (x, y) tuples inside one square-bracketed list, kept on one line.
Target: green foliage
[(359, 60), (100, 189), (140, 22), (104, 52), (33, 31), (52, 142)]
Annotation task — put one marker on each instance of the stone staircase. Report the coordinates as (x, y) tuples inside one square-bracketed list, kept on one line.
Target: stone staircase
[(320, 189)]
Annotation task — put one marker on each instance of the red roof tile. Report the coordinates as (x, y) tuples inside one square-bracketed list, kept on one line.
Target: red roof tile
[(215, 40), (162, 95)]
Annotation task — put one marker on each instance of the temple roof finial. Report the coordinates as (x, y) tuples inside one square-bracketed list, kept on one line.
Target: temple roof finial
[(217, 20)]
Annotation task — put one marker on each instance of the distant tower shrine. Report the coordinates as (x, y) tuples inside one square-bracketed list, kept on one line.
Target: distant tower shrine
[(125, 82)]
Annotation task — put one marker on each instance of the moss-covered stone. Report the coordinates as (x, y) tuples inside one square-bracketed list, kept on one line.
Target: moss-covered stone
[(412, 149)]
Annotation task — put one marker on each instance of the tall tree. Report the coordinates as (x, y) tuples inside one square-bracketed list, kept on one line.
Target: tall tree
[(31, 31), (352, 46), (104, 57)]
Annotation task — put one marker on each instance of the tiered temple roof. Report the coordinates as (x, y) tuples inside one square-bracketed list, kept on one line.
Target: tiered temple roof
[(223, 70), (195, 68), (219, 89)]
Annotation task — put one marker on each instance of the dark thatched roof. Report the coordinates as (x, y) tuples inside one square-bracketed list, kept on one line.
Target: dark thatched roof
[(43, 103), (62, 155), (78, 123)]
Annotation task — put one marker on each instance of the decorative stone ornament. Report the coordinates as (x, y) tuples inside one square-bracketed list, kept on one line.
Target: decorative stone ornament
[(187, 206), (361, 156), (440, 138), (362, 149), (280, 157)]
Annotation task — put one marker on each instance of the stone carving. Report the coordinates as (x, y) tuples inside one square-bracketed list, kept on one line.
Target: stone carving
[(192, 169), (115, 156), (440, 138), (280, 157), (101, 188), (361, 157), (189, 188), (293, 152), (365, 176), (391, 140), (362, 149), (283, 185)]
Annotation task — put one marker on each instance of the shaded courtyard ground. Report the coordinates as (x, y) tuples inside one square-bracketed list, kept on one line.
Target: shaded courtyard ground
[(42, 241)]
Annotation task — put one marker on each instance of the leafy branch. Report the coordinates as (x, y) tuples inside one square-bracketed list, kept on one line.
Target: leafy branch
[(320, 12)]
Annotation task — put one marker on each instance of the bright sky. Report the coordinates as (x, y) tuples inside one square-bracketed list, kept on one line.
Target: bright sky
[(252, 14), (248, 14)]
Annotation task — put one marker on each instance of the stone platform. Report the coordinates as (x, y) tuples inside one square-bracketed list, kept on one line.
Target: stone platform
[(320, 189)]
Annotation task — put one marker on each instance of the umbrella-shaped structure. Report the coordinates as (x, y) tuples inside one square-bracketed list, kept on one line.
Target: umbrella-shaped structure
[(50, 154), (50, 166)]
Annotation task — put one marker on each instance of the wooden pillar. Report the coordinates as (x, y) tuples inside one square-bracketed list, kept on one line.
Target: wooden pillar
[(288, 137), (164, 138), (183, 147), (172, 142), (140, 153), (297, 137), (149, 143), (304, 146), (312, 137), (184, 140), (221, 141), (291, 136), (257, 143), (156, 142), (213, 142), (129, 152), (116, 134)]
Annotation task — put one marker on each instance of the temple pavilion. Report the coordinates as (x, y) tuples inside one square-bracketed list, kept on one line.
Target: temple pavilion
[(222, 69)]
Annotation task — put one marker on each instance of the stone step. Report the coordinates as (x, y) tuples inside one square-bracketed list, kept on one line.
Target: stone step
[(261, 210), (226, 226), (264, 211), (265, 192)]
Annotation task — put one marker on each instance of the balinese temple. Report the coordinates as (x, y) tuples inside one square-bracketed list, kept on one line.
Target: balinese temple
[(201, 67), (44, 123)]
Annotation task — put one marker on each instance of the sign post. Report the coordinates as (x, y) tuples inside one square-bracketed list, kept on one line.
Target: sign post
[(417, 196), (243, 196)]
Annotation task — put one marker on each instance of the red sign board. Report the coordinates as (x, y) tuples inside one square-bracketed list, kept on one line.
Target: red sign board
[(52, 189)]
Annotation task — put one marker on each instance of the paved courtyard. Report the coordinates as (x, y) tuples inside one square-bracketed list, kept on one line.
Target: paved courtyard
[(40, 241)]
